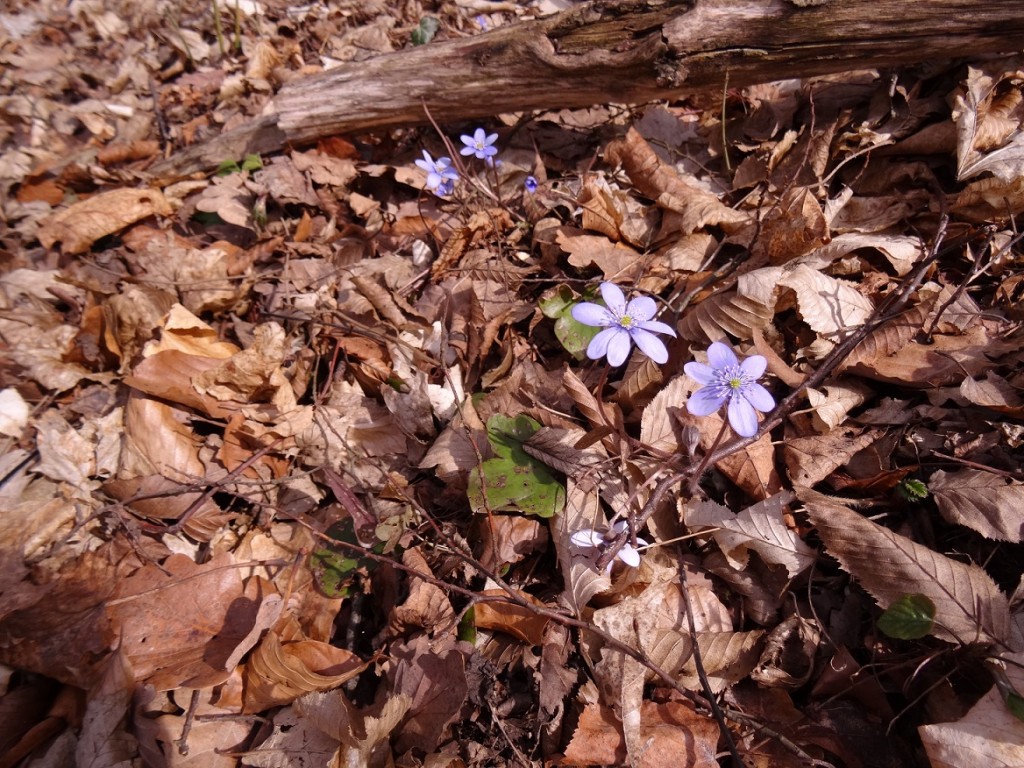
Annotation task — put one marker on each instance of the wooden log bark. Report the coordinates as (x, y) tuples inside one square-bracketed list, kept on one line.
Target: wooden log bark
[(615, 51)]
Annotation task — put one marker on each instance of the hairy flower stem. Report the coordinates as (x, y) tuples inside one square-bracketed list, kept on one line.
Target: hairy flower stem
[(699, 471)]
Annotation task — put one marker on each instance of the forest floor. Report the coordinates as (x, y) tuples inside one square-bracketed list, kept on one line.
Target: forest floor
[(304, 464)]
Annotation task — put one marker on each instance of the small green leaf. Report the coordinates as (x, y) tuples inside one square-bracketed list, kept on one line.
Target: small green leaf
[(467, 627), (514, 480), (334, 569), (425, 32), (557, 304), (912, 490), (227, 167), (252, 163), (909, 618)]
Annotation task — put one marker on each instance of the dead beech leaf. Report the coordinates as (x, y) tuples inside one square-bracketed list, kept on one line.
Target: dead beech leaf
[(760, 528), (831, 408), (813, 458), (76, 228), (826, 304), (279, 672), (969, 606), (667, 731), (617, 262), (792, 227), (180, 622), (988, 503), (659, 426), (725, 313), (989, 734), (663, 184), (727, 657), (582, 579), (994, 393), (508, 617), (183, 331), (433, 676)]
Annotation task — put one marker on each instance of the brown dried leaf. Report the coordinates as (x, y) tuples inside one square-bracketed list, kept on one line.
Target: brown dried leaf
[(991, 504), (995, 393), (666, 731), (582, 580), (659, 427), (826, 304), (617, 262), (725, 313), (663, 184), (969, 606), (727, 657), (813, 458), (433, 676), (76, 228), (508, 617), (989, 734), (761, 528)]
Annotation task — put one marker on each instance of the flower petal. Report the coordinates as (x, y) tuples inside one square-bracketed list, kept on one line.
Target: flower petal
[(589, 313), (629, 556), (655, 326), (721, 356), (650, 345), (479, 136), (705, 401), (491, 138), (598, 346), (754, 366), (759, 397), (586, 537), (641, 309), (702, 374), (618, 346), (613, 297), (742, 417)]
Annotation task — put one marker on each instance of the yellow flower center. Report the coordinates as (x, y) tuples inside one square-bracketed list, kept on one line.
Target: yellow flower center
[(626, 321)]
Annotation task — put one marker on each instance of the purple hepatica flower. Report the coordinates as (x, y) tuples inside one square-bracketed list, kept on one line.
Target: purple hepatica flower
[(726, 380), (530, 184), (596, 541), (623, 323), (480, 145), (441, 177)]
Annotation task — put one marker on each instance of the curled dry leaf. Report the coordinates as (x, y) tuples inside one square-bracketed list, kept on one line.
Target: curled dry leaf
[(76, 228), (813, 458), (969, 606)]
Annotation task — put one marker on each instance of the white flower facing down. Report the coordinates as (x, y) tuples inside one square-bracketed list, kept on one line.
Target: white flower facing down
[(726, 380), (624, 324), (596, 541)]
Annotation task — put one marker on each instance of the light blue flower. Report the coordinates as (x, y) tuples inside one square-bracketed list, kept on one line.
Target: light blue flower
[(480, 145), (624, 324), (441, 176), (726, 380), (530, 184)]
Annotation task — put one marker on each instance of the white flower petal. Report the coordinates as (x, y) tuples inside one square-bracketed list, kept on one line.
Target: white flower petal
[(700, 373), (754, 366), (589, 313), (587, 538), (618, 345), (629, 556), (742, 417), (598, 346), (650, 345), (655, 326), (705, 401), (759, 397), (613, 297), (721, 356), (642, 309)]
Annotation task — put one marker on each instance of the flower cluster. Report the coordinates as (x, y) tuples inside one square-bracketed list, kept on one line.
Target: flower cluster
[(442, 174)]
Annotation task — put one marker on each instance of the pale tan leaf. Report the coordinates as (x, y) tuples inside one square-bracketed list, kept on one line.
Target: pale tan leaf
[(582, 579), (813, 458), (76, 228), (995, 393), (725, 313), (840, 397), (988, 735), (760, 528), (991, 504), (663, 184), (826, 304), (969, 606), (659, 427), (902, 251), (598, 414), (727, 657)]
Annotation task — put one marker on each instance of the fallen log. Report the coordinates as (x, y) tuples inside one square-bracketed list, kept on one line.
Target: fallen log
[(613, 51)]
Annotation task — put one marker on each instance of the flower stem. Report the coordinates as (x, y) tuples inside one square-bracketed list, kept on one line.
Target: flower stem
[(699, 471)]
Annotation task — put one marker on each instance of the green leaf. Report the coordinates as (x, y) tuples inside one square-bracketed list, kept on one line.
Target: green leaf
[(912, 490), (425, 32), (467, 627), (514, 480), (1015, 703), (252, 163), (557, 304), (909, 618), (334, 569)]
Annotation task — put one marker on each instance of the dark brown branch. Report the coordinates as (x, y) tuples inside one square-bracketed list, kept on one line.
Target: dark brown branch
[(608, 51)]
